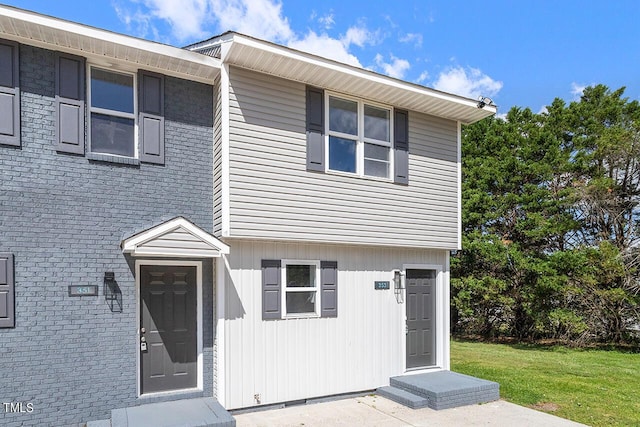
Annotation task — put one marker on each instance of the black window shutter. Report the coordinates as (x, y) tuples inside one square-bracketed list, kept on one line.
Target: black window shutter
[(151, 117), (7, 287), (401, 147), (70, 103), (271, 288), (315, 129), (9, 93), (329, 288)]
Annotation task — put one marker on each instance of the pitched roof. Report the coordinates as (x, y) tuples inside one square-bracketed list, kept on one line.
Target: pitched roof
[(177, 237), (270, 58), (104, 47)]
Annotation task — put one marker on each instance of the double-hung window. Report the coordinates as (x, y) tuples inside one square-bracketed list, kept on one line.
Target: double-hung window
[(113, 112), (359, 137), (301, 296)]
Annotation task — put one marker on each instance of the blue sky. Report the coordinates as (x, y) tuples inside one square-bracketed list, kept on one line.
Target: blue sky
[(519, 53)]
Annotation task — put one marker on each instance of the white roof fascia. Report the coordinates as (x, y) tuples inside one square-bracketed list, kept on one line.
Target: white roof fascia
[(57, 34)]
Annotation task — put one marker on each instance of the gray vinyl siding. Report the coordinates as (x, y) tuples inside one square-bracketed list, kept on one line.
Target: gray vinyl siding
[(273, 196), (217, 160)]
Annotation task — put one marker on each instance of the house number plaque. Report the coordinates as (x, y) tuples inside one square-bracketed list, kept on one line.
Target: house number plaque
[(83, 290), (380, 285)]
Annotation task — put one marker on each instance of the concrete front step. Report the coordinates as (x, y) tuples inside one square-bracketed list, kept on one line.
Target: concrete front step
[(403, 397), (201, 412), (99, 423), (442, 390)]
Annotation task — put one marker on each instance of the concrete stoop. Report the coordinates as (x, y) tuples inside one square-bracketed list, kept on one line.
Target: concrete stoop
[(201, 412), (439, 390)]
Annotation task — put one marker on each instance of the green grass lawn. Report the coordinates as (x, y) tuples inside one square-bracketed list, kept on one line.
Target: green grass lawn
[(594, 387)]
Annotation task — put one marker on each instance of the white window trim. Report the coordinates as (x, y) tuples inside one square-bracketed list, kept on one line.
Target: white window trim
[(113, 113), (316, 289), (360, 139)]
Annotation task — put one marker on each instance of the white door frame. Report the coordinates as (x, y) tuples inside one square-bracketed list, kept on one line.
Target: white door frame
[(442, 336), (177, 263)]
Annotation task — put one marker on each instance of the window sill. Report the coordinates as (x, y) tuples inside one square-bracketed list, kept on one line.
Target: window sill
[(355, 175), (301, 316), (108, 158)]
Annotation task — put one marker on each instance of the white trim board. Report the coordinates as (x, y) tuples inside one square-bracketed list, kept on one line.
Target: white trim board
[(222, 266)]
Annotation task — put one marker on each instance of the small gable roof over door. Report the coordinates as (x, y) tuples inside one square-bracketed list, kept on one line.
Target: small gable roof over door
[(177, 237)]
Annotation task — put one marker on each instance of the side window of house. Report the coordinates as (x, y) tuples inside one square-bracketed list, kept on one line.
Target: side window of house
[(9, 93), (358, 137), (125, 112), (299, 288)]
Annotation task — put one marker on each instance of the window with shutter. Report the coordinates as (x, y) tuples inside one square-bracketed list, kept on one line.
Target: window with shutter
[(299, 288), (329, 286), (357, 137), (401, 147), (9, 93), (114, 114), (271, 289), (151, 117), (70, 103), (315, 129), (7, 291)]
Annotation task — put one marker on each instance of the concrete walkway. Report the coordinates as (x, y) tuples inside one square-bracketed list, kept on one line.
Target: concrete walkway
[(377, 411)]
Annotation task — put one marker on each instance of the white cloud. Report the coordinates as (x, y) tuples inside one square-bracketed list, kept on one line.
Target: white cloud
[(327, 20), (189, 18), (263, 19), (323, 45), (424, 76), (336, 49), (396, 68), (469, 82), (259, 18), (357, 35), (414, 38), (185, 17), (577, 90), (360, 36)]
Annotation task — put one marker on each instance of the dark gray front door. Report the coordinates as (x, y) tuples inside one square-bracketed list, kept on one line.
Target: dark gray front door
[(168, 319), (421, 311)]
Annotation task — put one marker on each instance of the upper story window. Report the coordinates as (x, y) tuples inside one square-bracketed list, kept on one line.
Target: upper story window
[(359, 139), (113, 113)]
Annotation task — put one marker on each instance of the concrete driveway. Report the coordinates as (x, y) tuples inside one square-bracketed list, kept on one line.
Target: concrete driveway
[(377, 411)]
